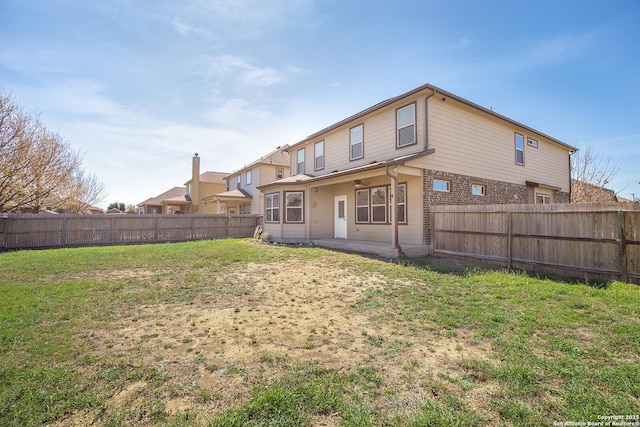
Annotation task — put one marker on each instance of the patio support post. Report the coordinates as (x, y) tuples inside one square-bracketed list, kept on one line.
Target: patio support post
[(394, 209)]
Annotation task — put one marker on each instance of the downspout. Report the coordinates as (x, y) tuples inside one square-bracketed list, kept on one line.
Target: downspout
[(394, 210), (570, 175), (426, 120)]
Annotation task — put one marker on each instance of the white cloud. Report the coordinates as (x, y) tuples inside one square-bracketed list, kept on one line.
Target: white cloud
[(238, 69)]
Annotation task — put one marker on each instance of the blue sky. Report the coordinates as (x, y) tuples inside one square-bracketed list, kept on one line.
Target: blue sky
[(139, 86)]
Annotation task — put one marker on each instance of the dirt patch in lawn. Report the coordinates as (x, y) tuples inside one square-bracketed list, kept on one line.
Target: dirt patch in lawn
[(207, 354)]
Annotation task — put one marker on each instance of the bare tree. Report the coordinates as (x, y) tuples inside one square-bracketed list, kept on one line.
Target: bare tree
[(590, 173), (81, 192), (35, 163)]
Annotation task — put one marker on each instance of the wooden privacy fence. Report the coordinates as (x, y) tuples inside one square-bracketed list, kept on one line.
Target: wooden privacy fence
[(591, 240), (24, 231)]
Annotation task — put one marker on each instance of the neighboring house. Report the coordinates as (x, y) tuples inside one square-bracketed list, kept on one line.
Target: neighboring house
[(169, 202), (583, 192), (242, 195), (202, 186), (374, 176), (188, 199)]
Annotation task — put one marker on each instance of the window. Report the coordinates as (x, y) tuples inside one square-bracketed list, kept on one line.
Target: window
[(374, 204), (248, 177), (543, 198), (379, 204), (362, 205), (318, 150), (356, 142), (294, 211), (406, 125), (440, 185), (519, 149), (228, 185), (300, 167), (478, 190), (245, 209), (238, 182), (279, 173), (402, 203), (532, 143), (272, 204)]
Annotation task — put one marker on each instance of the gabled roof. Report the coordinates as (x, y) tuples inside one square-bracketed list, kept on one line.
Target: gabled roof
[(174, 192), (211, 177), (278, 157), (232, 194), (434, 90)]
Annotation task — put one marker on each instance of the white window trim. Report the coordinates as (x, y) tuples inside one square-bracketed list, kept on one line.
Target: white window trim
[(275, 207), (248, 177), (448, 190), (482, 192), (279, 173)]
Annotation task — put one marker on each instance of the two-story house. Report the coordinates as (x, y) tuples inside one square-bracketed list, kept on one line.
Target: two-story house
[(242, 195), (374, 176), (192, 197)]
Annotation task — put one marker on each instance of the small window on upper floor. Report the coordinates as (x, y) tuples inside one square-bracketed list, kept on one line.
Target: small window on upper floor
[(239, 182), (532, 143), (440, 185), (300, 158), (406, 125), (318, 156), (279, 173), (519, 142), (248, 177), (356, 142)]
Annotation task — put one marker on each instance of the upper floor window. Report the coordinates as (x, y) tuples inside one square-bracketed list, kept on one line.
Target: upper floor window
[(318, 155), (279, 173), (406, 125), (519, 141), (239, 182), (248, 177), (356, 142), (300, 158), (532, 142)]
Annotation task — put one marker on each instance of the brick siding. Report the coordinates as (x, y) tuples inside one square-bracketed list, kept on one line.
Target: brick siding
[(496, 193)]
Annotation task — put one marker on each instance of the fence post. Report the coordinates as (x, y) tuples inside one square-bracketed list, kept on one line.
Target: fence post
[(155, 229), (509, 239), (3, 225), (113, 230), (622, 238), (63, 238)]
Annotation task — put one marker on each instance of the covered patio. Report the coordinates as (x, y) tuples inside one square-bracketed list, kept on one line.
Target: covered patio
[(382, 249)]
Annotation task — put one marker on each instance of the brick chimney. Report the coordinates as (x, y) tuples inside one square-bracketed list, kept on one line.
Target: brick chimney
[(195, 184)]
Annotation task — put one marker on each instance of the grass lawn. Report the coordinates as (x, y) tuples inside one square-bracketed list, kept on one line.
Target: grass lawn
[(235, 333)]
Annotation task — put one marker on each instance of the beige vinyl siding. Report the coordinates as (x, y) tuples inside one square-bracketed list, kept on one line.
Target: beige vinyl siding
[(468, 142), (379, 141)]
